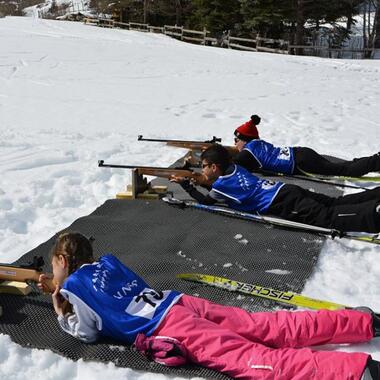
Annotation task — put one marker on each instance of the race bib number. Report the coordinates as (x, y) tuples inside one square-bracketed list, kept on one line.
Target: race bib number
[(284, 154), (146, 303), (266, 185)]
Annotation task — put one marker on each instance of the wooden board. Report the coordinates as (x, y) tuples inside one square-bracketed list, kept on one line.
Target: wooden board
[(15, 287)]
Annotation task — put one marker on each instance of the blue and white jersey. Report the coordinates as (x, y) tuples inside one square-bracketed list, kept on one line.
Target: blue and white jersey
[(245, 192), (270, 157), (108, 296)]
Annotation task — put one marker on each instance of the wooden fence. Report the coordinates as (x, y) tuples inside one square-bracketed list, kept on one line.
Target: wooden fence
[(257, 44), (331, 52), (201, 37), (268, 45)]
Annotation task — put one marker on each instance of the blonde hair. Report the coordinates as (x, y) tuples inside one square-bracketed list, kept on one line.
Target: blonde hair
[(75, 247)]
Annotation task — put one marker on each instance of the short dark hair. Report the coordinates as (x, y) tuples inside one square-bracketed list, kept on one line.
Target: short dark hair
[(218, 155)]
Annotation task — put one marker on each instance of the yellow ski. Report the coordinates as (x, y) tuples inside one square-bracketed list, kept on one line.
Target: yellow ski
[(289, 298)]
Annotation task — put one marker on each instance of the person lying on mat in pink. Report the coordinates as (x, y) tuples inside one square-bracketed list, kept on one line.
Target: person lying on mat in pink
[(257, 154), (104, 298)]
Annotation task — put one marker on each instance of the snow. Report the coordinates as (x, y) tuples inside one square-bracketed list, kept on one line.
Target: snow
[(72, 94)]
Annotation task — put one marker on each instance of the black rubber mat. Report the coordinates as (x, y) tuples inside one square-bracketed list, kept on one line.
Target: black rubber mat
[(158, 241)]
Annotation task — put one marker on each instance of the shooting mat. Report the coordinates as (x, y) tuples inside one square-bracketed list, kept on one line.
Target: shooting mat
[(157, 241)]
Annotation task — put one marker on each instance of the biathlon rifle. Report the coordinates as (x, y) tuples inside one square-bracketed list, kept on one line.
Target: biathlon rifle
[(187, 144), (192, 145), (156, 171), (26, 272)]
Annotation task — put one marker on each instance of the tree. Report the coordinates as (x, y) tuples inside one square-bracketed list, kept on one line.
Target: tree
[(376, 38), (169, 12), (268, 18), (375, 43), (216, 15), (300, 23)]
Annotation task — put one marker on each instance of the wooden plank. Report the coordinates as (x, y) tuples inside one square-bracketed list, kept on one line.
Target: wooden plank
[(193, 39), (90, 21), (237, 46), (271, 40), (156, 28), (125, 195), (138, 24), (173, 27), (122, 23), (211, 39), (326, 48), (272, 50), (308, 47), (173, 34), (139, 30), (148, 195), (15, 287), (193, 31), (241, 39)]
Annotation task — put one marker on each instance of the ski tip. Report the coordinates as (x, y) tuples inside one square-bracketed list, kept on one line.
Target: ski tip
[(174, 202), (189, 276), (183, 275)]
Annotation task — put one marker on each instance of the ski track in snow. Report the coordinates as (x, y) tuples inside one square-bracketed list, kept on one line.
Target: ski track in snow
[(72, 94)]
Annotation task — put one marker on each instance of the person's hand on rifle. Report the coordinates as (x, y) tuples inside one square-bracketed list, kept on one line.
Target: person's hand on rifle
[(45, 283), (177, 179), (200, 179), (196, 179)]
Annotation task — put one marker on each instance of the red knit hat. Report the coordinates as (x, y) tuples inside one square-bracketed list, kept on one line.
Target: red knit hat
[(248, 130)]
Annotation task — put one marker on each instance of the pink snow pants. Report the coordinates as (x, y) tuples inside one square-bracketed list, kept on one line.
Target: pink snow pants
[(268, 345)]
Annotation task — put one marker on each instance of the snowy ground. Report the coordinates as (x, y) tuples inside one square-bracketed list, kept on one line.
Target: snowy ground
[(71, 94)]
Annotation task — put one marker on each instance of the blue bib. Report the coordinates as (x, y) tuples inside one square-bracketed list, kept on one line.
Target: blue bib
[(123, 301), (245, 192), (274, 159)]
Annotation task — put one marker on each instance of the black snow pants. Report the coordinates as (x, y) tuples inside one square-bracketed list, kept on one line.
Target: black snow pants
[(308, 160), (352, 212)]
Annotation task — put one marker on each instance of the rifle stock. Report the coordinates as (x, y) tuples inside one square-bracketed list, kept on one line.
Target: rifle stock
[(192, 145), (202, 146), (168, 173), (153, 170), (25, 273)]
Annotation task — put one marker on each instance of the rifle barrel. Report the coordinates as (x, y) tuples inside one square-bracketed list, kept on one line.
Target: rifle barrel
[(103, 165), (213, 140)]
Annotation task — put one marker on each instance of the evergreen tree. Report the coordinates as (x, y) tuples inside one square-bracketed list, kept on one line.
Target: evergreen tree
[(269, 18), (169, 12), (376, 42), (216, 15)]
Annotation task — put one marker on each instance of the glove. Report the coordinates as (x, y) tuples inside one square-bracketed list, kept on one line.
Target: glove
[(186, 185), (162, 349)]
